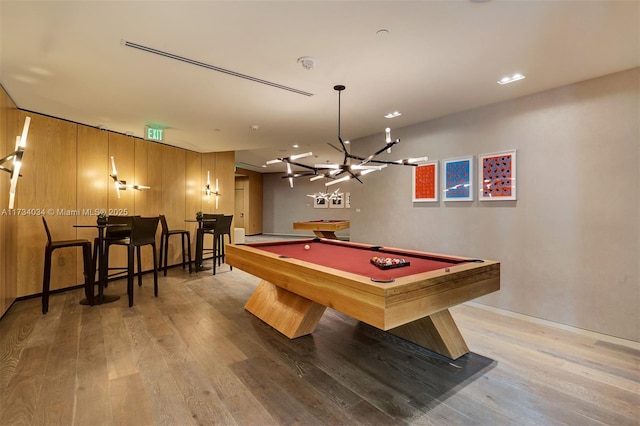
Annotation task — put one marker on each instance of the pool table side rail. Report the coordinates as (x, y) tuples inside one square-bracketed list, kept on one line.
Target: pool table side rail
[(382, 305), (322, 226)]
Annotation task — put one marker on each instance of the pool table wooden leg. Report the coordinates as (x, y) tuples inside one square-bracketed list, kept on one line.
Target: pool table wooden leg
[(330, 235), (289, 313), (437, 332)]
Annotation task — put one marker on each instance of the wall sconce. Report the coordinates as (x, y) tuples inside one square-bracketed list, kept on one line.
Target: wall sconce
[(122, 184), (208, 191), (16, 156)]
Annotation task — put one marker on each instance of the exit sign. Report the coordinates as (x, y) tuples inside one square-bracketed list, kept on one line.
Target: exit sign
[(153, 134)]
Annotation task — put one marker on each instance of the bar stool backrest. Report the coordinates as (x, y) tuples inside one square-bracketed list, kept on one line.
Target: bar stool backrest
[(210, 225), (143, 231), (163, 223), (46, 228), (223, 225), (119, 231)]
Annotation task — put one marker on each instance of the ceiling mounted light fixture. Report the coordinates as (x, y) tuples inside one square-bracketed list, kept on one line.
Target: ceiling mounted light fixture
[(393, 114), (511, 79), (335, 173)]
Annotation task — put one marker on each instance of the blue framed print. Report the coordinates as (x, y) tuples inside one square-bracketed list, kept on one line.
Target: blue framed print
[(457, 179)]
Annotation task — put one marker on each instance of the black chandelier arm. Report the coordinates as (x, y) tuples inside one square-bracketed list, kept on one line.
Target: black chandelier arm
[(297, 175), (305, 166)]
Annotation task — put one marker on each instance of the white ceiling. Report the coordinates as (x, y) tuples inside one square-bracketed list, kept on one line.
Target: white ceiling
[(66, 59)]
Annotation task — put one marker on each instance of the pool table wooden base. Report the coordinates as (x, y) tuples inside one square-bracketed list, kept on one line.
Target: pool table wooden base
[(296, 316)]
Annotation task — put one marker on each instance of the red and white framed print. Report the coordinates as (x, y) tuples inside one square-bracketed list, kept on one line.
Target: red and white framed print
[(425, 182), (497, 176)]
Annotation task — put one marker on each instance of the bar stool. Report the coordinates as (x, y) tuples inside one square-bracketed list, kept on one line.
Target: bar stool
[(112, 234), (207, 226), (222, 228), (143, 232), (164, 243), (86, 257)]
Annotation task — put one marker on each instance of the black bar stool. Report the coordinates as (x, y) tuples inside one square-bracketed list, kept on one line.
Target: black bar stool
[(143, 232), (164, 244), (86, 257)]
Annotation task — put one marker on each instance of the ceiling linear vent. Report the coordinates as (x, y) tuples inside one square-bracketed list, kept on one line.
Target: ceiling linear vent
[(212, 67)]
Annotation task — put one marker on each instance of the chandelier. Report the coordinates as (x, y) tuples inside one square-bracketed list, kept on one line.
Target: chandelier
[(352, 167)]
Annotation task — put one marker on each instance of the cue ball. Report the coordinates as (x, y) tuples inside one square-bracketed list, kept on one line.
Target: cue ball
[(306, 247), (447, 269)]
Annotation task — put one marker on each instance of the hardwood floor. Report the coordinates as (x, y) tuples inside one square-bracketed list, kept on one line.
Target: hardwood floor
[(194, 356)]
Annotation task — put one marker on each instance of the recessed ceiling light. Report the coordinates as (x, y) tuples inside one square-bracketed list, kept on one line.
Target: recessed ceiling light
[(393, 114), (295, 145), (347, 142), (382, 31), (511, 79)]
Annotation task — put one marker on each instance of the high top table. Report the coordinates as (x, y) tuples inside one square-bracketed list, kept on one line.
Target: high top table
[(199, 239)]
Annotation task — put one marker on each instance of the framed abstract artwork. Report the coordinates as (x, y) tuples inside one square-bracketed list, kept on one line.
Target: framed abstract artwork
[(320, 203), (497, 176), (425, 182), (457, 179), (337, 202)]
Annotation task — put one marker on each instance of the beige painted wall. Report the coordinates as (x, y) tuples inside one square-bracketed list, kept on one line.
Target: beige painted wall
[(569, 247)]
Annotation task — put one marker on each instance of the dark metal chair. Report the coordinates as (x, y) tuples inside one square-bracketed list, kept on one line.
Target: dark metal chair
[(207, 227), (113, 234), (222, 228), (86, 258), (164, 244), (143, 232)]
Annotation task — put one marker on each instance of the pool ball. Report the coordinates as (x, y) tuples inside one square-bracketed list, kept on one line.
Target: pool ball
[(306, 247)]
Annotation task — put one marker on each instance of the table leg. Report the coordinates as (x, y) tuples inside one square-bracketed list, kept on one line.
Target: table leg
[(326, 234), (102, 275), (199, 242), (289, 313), (437, 332)]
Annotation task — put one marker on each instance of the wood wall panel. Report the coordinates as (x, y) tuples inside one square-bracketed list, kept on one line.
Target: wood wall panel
[(49, 184), (9, 129), (174, 197), (253, 204), (209, 165), (194, 196), (148, 202), (225, 167), (65, 173), (122, 148), (93, 176), (93, 181)]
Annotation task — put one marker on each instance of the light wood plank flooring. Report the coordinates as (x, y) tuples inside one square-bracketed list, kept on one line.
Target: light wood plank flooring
[(194, 356)]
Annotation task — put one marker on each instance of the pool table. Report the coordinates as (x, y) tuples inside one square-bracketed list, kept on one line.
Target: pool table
[(411, 301), (323, 228)]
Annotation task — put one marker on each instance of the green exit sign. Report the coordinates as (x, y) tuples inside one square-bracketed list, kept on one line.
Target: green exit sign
[(153, 134)]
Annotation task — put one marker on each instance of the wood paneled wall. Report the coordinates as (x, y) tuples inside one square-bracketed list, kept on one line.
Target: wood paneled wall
[(252, 201), (66, 174), (9, 129)]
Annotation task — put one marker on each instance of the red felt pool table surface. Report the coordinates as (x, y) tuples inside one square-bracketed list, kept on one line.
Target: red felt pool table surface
[(356, 258)]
